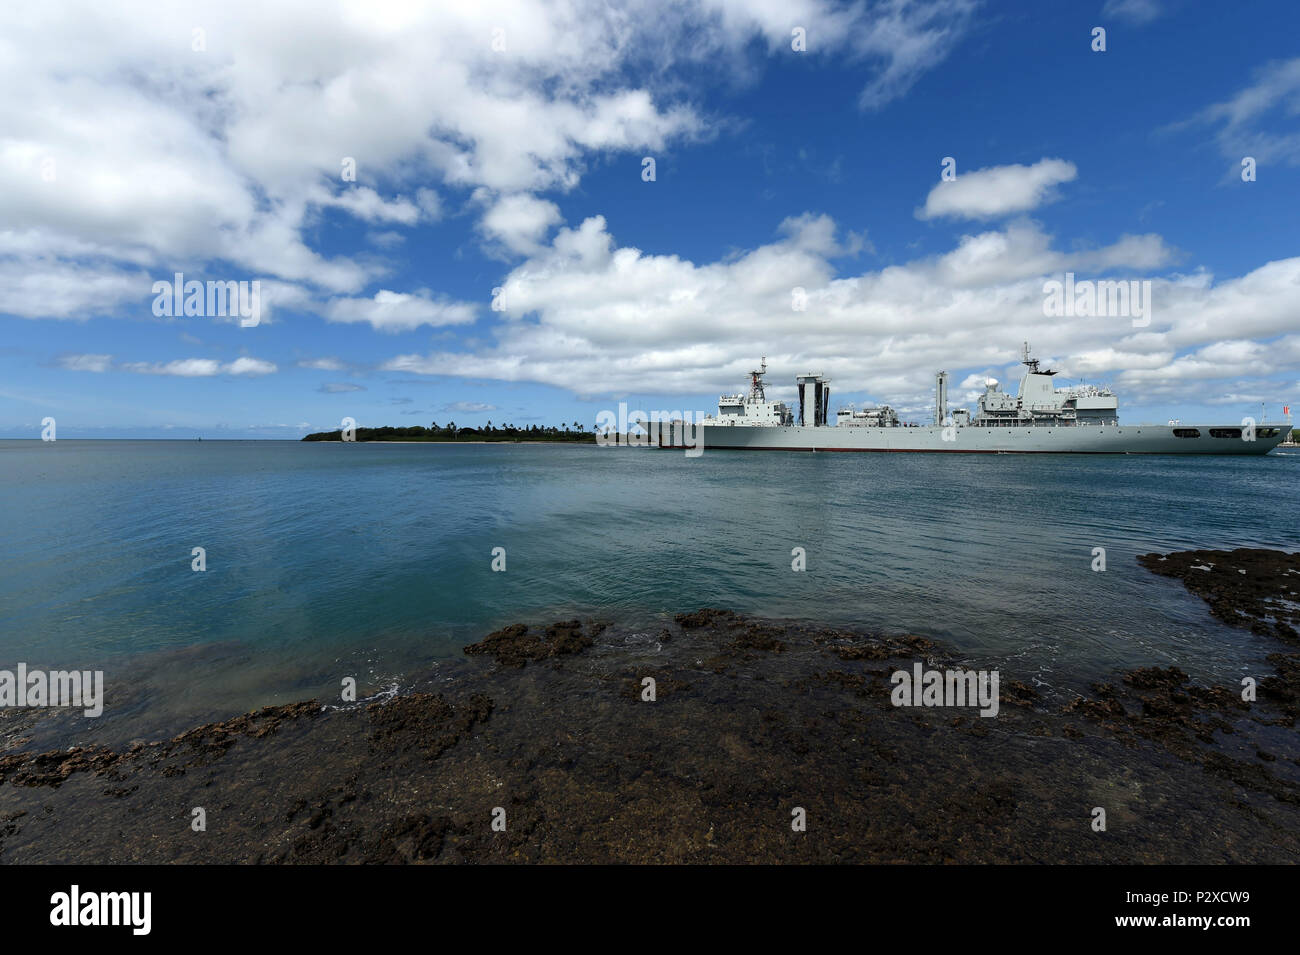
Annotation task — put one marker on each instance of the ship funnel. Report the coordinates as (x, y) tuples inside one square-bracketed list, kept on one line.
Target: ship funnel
[(814, 400), (940, 398)]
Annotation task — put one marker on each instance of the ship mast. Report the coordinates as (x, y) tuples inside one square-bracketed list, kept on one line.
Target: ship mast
[(756, 393), (1032, 362)]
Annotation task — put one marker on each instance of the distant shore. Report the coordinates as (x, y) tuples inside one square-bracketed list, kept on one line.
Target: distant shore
[(452, 434), (565, 443), (754, 724)]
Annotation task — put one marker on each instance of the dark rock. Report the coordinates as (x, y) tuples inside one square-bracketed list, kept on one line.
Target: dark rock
[(517, 644)]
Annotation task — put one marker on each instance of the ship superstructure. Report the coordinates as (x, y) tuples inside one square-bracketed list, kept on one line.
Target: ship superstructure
[(881, 416), (753, 409), (1037, 403)]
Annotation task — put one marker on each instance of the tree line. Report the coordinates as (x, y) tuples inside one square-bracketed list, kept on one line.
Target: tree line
[(451, 432)]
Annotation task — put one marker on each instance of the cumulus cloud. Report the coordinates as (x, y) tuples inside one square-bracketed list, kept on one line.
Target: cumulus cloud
[(41, 286), (997, 190), (368, 205), (220, 154), (603, 320), (129, 153), (520, 221), (128, 144)]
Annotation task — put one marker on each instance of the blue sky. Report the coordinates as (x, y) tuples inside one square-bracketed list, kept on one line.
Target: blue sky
[(501, 145)]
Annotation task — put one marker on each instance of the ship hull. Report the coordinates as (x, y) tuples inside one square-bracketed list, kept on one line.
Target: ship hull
[(1135, 439)]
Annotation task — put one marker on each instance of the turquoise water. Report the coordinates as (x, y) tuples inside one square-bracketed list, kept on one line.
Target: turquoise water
[(328, 560)]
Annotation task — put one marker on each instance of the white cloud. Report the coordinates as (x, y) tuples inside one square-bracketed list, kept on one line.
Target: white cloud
[(96, 363), (180, 368), (1134, 11), (369, 206), (44, 287), (603, 320), (201, 367), (520, 222), (249, 366), (322, 364), (400, 312), (909, 39), (997, 190), (1253, 122), (163, 156), (899, 39), (385, 240)]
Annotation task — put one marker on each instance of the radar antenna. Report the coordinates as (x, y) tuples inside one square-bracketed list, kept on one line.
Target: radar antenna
[(1033, 363), (1026, 360)]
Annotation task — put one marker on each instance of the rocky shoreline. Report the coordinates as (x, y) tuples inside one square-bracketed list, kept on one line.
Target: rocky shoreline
[(754, 723)]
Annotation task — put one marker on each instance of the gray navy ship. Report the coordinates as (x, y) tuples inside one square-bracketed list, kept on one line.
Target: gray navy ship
[(1039, 417)]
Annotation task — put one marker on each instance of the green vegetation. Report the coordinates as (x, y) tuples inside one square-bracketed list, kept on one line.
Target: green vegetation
[(450, 432)]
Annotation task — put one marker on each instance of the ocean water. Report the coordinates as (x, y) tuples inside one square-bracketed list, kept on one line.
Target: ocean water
[(327, 560)]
